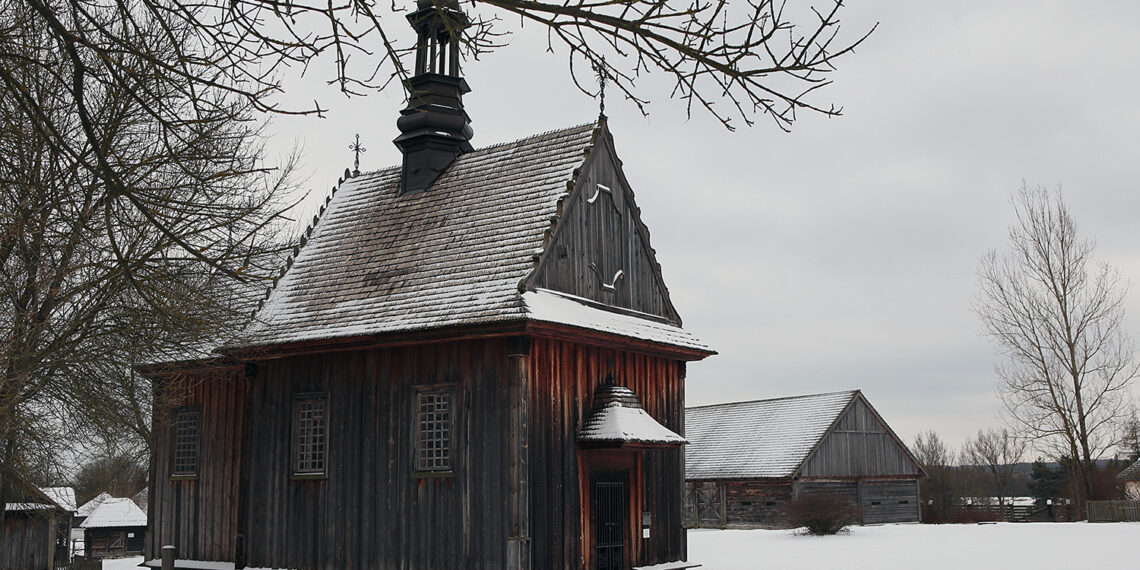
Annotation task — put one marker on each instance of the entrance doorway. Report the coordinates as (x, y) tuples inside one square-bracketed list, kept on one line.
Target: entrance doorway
[(610, 509)]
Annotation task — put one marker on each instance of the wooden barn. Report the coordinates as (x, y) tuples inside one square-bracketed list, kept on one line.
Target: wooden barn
[(746, 460), (35, 532), (471, 362), (116, 527)]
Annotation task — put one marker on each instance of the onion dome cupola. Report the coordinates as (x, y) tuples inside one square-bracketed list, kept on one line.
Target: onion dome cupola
[(434, 128)]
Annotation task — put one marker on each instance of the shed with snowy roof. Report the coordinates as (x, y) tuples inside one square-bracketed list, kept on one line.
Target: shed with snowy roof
[(1131, 478), (471, 361), (114, 527), (746, 460), (34, 531)]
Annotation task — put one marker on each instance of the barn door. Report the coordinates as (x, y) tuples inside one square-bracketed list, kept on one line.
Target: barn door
[(610, 503)]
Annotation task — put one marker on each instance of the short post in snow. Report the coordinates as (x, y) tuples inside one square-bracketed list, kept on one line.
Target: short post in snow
[(168, 554)]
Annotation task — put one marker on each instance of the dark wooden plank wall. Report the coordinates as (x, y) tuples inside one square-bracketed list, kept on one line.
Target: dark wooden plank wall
[(607, 234), (199, 516), (563, 377), (890, 501), (27, 541), (371, 511), (858, 445)]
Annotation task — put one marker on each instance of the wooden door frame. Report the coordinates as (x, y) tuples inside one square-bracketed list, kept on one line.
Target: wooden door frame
[(600, 461)]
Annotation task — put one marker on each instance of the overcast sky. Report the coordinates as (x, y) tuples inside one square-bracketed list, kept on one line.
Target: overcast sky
[(842, 255)]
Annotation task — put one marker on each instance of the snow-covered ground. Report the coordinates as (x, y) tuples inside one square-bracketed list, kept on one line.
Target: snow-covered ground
[(1002, 546)]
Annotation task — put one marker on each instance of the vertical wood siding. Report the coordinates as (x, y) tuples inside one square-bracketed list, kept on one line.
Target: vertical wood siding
[(27, 540), (858, 445), (371, 511), (563, 378), (608, 234), (199, 515)]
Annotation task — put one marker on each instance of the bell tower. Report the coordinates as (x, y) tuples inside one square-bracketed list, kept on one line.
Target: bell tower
[(434, 128)]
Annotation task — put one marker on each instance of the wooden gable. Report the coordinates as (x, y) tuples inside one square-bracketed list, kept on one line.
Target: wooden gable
[(859, 443), (599, 249)]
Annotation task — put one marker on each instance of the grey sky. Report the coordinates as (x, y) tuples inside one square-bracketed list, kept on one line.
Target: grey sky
[(842, 255)]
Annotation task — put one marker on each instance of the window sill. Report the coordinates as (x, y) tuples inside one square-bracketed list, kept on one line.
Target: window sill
[(183, 477), (433, 474), (308, 476)]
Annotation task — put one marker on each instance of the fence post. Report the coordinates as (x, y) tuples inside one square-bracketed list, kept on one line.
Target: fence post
[(168, 554)]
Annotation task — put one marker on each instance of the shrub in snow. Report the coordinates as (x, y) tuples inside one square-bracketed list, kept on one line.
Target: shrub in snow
[(820, 513)]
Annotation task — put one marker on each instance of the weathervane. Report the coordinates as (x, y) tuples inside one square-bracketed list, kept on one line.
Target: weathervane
[(600, 70), (355, 147)]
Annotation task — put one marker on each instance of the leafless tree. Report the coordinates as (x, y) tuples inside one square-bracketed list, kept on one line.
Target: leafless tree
[(1056, 316), (939, 490), (114, 229), (994, 454)]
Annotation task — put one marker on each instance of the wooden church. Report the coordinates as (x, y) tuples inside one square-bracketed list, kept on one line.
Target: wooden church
[(471, 362)]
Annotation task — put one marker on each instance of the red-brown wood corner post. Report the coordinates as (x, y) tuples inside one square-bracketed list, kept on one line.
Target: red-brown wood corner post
[(518, 391)]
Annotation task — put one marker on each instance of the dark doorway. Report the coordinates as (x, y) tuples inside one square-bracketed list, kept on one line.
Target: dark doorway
[(611, 517)]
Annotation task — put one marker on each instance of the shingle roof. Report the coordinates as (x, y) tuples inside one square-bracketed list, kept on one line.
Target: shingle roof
[(89, 507), (1131, 473), (451, 256), (617, 418), (62, 496), (763, 438), (115, 512)]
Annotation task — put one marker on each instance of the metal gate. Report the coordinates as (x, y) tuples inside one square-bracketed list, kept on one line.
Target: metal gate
[(609, 524)]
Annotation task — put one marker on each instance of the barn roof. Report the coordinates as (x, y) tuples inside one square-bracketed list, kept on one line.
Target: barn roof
[(762, 438), (1130, 473), (114, 512), (89, 507), (62, 496), (454, 255)]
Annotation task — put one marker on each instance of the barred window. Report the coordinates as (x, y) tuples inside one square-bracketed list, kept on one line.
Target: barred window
[(433, 431), (310, 434), (187, 424)]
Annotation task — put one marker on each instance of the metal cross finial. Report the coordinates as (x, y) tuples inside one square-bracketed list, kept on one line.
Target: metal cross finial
[(600, 70), (355, 147)]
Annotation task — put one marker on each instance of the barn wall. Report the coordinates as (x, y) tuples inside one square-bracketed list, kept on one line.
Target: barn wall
[(858, 445), (736, 503), (372, 511), (28, 540), (890, 501), (199, 516), (563, 377), (596, 238)]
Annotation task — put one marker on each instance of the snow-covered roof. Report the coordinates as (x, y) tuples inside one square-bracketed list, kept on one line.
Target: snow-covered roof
[(762, 438), (1130, 473), (618, 419), (452, 256), (115, 512), (89, 507), (62, 496)]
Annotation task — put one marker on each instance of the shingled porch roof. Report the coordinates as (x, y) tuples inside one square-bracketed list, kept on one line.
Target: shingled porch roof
[(452, 256)]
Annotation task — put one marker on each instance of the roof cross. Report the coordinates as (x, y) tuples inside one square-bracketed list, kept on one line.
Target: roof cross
[(356, 148), (600, 71)]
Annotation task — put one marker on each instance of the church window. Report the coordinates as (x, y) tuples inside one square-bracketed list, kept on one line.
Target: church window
[(310, 434), (434, 422), (187, 426)]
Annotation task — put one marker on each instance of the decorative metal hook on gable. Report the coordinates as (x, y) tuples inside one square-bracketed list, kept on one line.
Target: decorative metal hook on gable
[(612, 285), (598, 192)]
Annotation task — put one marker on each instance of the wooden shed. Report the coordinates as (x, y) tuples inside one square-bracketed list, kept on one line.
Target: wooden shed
[(746, 460), (116, 527), (1131, 478), (35, 531), (471, 362)]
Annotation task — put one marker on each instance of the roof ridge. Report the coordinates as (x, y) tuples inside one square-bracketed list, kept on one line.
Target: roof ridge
[(534, 136), (797, 397)]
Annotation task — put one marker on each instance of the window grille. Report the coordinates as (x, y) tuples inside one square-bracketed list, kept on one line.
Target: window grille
[(433, 438), (310, 435), (187, 423)]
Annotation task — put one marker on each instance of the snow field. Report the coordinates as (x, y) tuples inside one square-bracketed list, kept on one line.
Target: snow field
[(1002, 546)]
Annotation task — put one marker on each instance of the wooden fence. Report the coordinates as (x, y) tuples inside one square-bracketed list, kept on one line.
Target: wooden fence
[(1114, 511), (80, 563)]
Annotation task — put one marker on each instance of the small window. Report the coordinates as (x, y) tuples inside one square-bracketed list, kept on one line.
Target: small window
[(874, 503), (433, 431), (310, 434), (904, 502), (187, 425)]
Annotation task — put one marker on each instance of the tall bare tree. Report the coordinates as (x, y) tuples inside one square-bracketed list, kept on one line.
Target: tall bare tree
[(1056, 315), (940, 488), (97, 276), (995, 454)]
